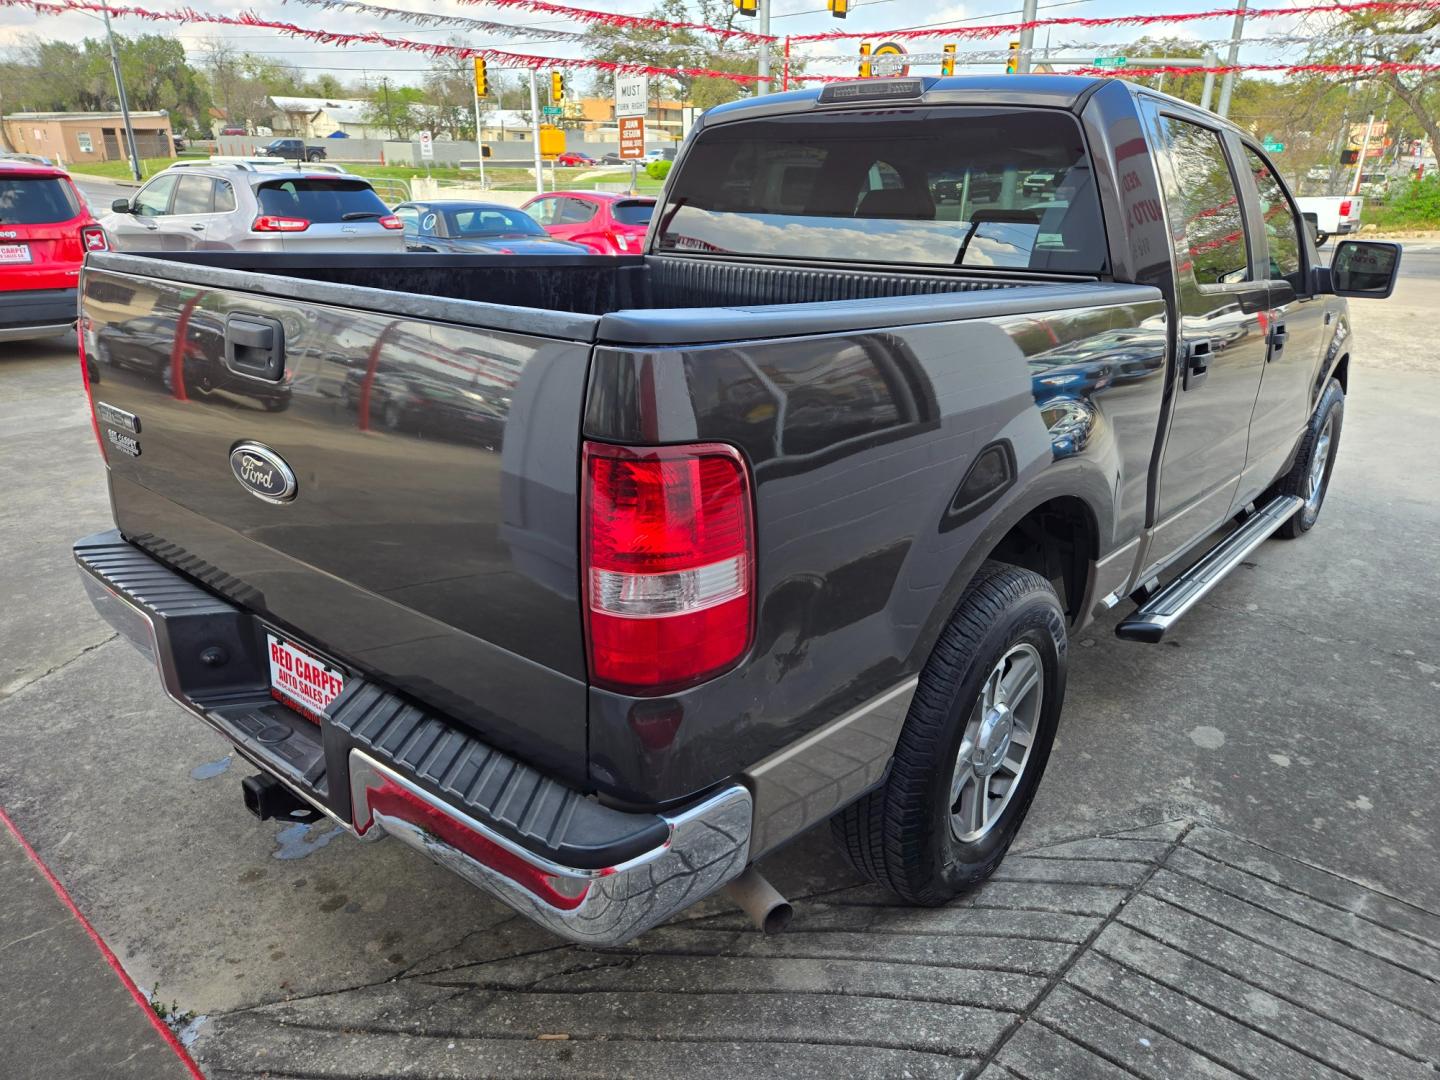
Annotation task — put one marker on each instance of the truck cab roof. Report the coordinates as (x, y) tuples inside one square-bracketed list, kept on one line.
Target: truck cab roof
[(1043, 91)]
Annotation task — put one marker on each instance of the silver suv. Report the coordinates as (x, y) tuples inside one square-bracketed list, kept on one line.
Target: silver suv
[(242, 206)]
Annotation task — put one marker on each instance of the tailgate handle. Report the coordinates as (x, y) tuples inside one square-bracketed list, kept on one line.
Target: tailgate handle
[(255, 346)]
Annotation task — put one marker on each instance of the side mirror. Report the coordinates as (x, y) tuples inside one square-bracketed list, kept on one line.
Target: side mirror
[(122, 206), (1312, 222), (1364, 268)]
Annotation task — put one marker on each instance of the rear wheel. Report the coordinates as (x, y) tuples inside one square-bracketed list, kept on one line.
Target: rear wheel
[(1309, 477), (313, 155), (974, 744)]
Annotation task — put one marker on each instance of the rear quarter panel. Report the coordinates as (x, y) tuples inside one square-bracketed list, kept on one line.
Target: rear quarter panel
[(858, 442)]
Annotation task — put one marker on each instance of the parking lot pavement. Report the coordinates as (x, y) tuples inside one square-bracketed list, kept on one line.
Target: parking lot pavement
[(1276, 919)]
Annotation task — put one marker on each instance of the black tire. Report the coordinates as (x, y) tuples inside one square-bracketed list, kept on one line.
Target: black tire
[(900, 835), (1331, 411), (314, 155)]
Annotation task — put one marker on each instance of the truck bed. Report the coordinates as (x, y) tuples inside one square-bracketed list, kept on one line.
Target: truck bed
[(432, 411), (604, 294)]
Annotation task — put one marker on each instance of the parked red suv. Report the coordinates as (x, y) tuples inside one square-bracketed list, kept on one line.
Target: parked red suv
[(45, 230), (606, 223)]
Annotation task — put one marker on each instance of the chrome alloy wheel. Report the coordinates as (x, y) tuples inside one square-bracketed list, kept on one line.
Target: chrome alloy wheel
[(996, 746), (1319, 458)]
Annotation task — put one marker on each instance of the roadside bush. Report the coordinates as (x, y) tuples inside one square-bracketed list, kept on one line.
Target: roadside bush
[(658, 170), (1415, 206)]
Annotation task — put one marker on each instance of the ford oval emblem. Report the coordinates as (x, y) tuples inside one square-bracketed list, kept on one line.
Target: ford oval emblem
[(262, 472)]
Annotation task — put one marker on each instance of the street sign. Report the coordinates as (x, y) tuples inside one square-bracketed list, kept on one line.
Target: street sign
[(887, 59), (632, 137), (632, 95), (1273, 147), (1111, 61), (427, 147), (553, 110)]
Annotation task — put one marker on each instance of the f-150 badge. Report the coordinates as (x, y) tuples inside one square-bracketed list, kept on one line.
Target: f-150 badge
[(262, 472)]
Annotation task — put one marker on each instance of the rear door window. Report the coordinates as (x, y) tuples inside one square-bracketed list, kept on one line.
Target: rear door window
[(930, 186), (574, 212), (194, 195), (323, 201), (35, 200), (1205, 221)]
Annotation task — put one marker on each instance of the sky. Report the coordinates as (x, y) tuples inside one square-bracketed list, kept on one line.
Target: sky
[(367, 63)]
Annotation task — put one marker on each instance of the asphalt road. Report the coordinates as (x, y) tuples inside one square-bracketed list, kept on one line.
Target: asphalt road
[(1295, 709)]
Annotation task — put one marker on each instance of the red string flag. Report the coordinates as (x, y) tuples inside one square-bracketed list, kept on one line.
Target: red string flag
[(999, 29), (626, 22)]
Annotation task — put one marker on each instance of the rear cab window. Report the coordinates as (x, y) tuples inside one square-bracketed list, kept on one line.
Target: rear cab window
[(36, 200), (928, 186), (320, 200)]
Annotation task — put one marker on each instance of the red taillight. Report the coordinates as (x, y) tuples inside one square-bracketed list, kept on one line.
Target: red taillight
[(93, 238), (1345, 208), (390, 221), (669, 552), (272, 223), (80, 328)]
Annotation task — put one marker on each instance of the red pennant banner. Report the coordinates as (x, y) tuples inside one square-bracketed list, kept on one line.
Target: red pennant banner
[(628, 22), (1001, 29), (501, 58)]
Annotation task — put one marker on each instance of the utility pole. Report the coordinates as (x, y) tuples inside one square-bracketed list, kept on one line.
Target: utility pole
[(120, 93), (1207, 94), (1227, 84), (763, 86), (535, 135), (1027, 37), (1360, 161), (479, 141)]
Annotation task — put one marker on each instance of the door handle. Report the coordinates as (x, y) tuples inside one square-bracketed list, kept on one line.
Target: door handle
[(1197, 362), (255, 346), (197, 228), (1278, 336)]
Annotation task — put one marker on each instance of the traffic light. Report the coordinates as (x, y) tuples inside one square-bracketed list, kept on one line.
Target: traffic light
[(839, 8), (864, 60), (745, 7), (482, 84), (1012, 65), (557, 87), (947, 65)]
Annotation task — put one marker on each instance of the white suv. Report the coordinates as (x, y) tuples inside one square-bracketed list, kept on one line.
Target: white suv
[(239, 206)]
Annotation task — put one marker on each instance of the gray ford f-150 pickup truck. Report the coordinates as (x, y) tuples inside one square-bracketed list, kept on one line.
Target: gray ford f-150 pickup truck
[(661, 559)]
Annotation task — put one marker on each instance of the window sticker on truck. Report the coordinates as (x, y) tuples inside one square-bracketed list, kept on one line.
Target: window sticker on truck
[(299, 679)]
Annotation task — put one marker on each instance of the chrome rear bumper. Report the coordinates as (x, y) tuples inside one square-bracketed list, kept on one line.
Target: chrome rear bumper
[(661, 864)]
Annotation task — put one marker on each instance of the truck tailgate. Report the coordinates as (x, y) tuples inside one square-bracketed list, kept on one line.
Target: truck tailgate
[(430, 539)]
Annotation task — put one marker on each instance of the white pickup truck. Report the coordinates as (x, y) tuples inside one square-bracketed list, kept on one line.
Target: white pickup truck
[(1335, 215)]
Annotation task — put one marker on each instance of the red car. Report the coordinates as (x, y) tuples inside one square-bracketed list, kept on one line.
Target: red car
[(574, 158), (45, 230), (606, 223)]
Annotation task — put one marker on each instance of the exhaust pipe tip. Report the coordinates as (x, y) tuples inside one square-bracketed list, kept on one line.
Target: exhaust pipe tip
[(768, 910)]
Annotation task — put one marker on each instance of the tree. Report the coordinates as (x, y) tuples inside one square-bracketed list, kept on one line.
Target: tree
[(449, 105), (1419, 92), (678, 49), (242, 98), (395, 108)]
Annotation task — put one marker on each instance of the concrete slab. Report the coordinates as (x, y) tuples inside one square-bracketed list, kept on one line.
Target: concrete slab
[(63, 1012)]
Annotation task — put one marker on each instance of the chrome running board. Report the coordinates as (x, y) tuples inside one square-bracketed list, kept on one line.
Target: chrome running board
[(1164, 609)]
